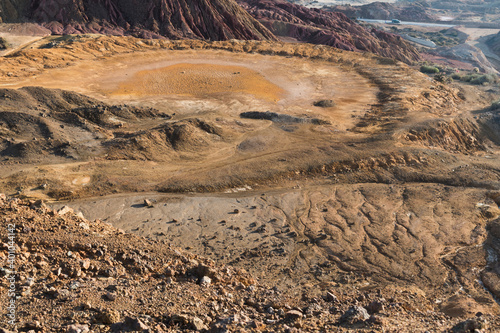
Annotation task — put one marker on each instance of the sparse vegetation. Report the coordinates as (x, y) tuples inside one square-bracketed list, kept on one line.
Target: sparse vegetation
[(479, 79), (427, 69), (325, 103), (443, 78), (4, 44), (446, 37), (446, 75)]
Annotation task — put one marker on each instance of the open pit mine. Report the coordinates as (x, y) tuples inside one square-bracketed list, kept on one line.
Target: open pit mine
[(163, 174)]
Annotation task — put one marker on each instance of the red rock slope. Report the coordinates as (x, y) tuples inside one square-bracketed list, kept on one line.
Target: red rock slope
[(207, 20), (320, 27), (196, 19)]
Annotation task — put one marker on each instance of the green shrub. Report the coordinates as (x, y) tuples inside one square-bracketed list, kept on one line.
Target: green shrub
[(479, 79), (429, 69), (449, 70), (468, 77), (443, 78), (457, 77), (4, 44)]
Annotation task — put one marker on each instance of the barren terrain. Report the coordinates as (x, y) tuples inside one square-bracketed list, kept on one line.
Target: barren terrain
[(87, 276), (315, 169)]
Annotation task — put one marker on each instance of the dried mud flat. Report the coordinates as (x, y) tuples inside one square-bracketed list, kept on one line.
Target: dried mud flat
[(358, 194)]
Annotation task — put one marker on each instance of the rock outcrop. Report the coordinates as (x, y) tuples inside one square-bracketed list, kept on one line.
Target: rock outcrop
[(383, 11), (320, 27), (206, 20), (201, 19), (494, 43)]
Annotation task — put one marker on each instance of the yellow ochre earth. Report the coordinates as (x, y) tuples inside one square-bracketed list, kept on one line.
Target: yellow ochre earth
[(200, 80)]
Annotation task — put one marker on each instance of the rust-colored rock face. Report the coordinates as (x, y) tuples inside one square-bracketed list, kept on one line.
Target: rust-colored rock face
[(206, 20), (176, 19), (329, 28)]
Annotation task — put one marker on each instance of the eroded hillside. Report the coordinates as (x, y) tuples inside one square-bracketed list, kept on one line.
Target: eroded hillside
[(211, 20), (295, 22)]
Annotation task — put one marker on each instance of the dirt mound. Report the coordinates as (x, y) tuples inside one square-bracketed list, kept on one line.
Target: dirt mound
[(459, 135), (56, 123), (333, 29), (43, 99), (107, 116), (23, 127), (210, 20), (192, 136), (39, 123)]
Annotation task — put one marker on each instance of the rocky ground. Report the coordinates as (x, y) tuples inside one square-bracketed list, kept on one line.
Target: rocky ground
[(297, 23), (76, 275)]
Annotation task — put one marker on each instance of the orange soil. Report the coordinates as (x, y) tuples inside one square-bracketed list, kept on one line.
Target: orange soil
[(200, 80)]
